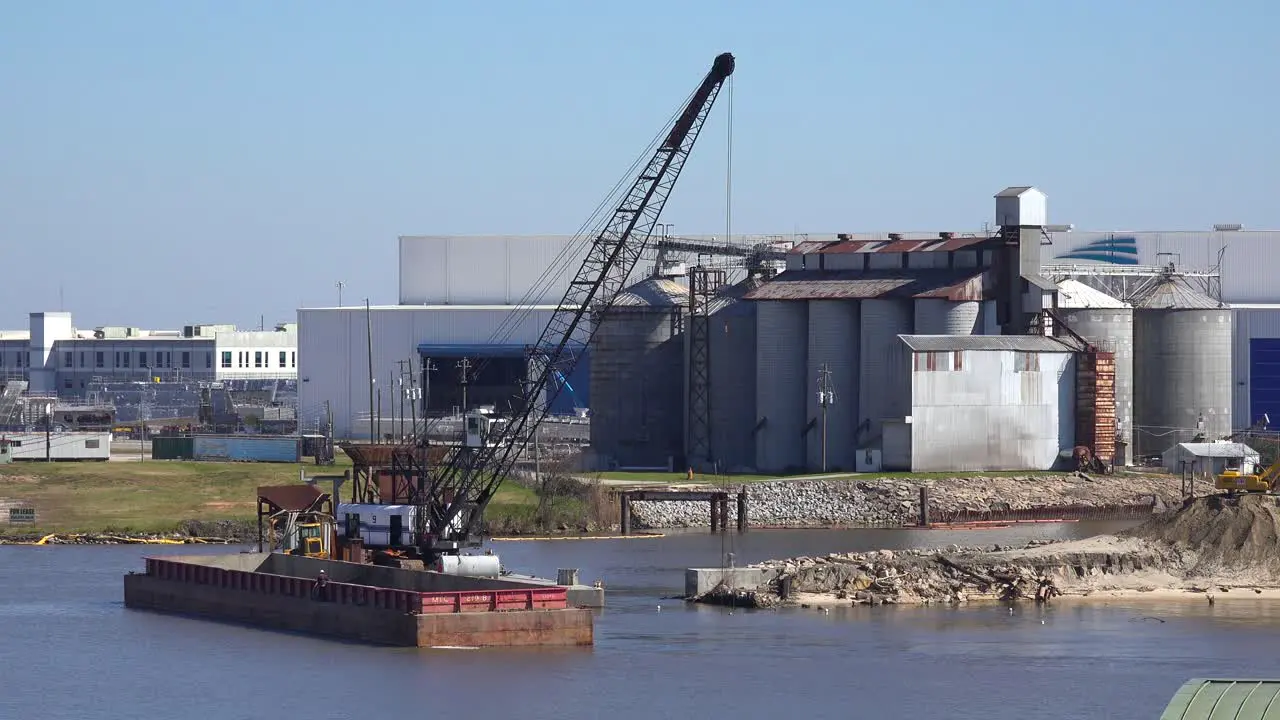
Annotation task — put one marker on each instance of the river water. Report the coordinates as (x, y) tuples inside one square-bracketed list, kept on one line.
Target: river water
[(69, 649)]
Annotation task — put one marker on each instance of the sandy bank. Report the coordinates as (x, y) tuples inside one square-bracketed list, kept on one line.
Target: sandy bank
[(1213, 548)]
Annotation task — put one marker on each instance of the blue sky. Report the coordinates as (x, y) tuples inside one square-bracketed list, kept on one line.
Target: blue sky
[(204, 161)]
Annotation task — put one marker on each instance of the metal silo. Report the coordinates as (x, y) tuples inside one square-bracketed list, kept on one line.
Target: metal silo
[(733, 378), (782, 331), (1107, 323), (936, 316), (834, 342), (878, 392), (1182, 366), (637, 376)]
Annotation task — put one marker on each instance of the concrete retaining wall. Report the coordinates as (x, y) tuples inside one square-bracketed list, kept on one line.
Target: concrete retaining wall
[(698, 581)]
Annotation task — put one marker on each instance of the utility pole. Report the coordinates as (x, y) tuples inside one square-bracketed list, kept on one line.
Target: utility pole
[(826, 397), (403, 390), (368, 322), (48, 433), (463, 365), (340, 285)]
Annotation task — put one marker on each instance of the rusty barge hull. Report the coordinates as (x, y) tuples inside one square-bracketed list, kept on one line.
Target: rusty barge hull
[(361, 603)]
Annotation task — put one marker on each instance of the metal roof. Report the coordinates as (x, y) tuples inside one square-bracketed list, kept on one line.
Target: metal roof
[(1019, 343), (654, 292), (1014, 191), (1074, 295), (1174, 294), (853, 285), (1217, 450), (1204, 699), (931, 243)]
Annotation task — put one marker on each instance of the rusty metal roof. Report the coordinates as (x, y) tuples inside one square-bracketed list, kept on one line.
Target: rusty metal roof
[(853, 285), (932, 243), (290, 497), (1020, 343)]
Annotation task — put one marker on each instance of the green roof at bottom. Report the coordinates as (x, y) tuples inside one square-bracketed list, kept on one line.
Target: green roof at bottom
[(1204, 699)]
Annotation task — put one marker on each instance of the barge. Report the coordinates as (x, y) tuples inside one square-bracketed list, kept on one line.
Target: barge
[(364, 603)]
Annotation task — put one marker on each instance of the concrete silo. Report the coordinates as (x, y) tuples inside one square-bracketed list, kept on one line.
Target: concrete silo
[(733, 378), (1182, 366), (879, 393), (1107, 323), (936, 316), (637, 377), (782, 332), (834, 344)]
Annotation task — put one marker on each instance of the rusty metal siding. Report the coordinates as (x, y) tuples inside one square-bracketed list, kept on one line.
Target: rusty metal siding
[(781, 347), (1096, 404)]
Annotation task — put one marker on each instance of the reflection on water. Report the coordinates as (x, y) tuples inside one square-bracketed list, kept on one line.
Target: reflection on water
[(72, 651)]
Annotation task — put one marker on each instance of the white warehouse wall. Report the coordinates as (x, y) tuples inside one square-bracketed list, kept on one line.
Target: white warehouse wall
[(484, 269), (333, 352), (988, 417)]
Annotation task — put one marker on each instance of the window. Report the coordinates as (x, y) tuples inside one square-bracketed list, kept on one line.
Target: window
[(82, 359), (186, 358), (293, 359), (91, 444), (68, 359), (122, 359), (939, 361), (1026, 362), (226, 359), (208, 360), (283, 357), (957, 360), (99, 359), (164, 359), (142, 360), (66, 384), (257, 359)]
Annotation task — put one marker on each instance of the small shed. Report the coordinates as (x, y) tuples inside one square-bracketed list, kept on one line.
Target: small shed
[(1202, 699), (1208, 458)]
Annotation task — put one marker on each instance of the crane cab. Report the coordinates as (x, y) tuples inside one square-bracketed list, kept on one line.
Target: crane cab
[(481, 429)]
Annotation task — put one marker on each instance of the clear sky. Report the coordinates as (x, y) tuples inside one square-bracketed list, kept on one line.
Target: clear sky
[(165, 162)]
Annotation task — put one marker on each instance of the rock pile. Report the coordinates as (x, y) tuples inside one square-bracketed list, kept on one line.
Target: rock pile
[(895, 501), (1210, 542)]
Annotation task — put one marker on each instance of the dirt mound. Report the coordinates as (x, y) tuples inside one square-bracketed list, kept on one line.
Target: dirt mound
[(1221, 535)]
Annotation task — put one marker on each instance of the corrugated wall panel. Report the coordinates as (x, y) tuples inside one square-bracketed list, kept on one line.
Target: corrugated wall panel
[(880, 389), (934, 316), (637, 382), (988, 417), (733, 386), (1112, 331), (1249, 325), (834, 342), (781, 345), (1182, 372), (246, 448)]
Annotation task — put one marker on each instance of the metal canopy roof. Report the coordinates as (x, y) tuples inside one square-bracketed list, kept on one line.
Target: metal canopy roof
[(1218, 450), (854, 285), (1203, 699), (1019, 343)]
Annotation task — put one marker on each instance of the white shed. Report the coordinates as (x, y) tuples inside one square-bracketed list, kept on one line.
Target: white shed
[(1208, 458)]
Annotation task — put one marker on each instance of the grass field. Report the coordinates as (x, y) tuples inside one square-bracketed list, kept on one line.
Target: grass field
[(156, 496)]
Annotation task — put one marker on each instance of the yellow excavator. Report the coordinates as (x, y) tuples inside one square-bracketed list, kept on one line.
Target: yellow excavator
[(311, 541), (1245, 478)]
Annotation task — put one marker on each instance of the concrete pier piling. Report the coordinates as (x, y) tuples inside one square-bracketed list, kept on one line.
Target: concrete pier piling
[(718, 501)]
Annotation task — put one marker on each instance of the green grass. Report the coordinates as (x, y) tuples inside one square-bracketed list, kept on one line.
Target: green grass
[(155, 496)]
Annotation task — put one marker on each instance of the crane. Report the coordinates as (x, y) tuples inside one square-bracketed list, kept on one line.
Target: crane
[(450, 498)]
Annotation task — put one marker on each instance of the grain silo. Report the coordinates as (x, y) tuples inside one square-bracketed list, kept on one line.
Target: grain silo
[(1182, 366), (1107, 323), (882, 321), (782, 331), (733, 378), (937, 316), (637, 377), (834, 345)]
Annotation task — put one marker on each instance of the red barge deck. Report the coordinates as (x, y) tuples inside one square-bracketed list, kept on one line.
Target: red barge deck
[(366, 603)]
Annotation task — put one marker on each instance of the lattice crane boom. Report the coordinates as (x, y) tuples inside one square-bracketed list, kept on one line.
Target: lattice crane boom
[(452, 506)]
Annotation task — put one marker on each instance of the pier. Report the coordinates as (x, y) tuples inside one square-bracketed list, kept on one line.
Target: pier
[(717, 499)]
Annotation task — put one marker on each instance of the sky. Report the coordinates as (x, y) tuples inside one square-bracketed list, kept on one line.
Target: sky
[(165, 163)]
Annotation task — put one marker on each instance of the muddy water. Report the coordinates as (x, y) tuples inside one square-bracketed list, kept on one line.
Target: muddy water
[(70, 650)]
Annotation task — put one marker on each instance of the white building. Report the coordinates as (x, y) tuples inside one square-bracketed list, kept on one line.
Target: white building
[(983, 402), (53, 356)]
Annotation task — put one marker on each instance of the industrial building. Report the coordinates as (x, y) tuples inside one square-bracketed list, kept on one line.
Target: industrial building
[(470, 309), (107, 375), (943, 351)]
